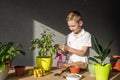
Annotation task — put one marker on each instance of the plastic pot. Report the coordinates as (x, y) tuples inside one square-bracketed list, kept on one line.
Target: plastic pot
[(102, 72), (91, 69), (44, 63), (19, 70), (75, 69), (115, 62)]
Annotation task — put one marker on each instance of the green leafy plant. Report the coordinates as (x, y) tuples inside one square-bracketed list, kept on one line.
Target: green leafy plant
[(8, 51), (102, 52), (44, 44)]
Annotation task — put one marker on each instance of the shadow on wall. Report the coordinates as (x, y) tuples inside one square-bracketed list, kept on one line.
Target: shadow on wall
[(17, 22), (16, 25), (19, 19)]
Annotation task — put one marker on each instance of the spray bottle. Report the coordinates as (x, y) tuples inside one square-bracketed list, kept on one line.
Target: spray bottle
[(59, 62)]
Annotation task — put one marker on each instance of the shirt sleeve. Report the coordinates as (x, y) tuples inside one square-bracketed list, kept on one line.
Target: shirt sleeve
[(87, 40)]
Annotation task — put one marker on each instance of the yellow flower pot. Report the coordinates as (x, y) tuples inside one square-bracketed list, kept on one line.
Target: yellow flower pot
[(44, 63), (102, 72)]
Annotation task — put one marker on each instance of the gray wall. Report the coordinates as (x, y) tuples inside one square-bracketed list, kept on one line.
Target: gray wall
[(17, 17)]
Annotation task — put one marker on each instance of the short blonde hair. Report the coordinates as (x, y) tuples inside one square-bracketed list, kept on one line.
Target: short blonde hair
[(74, 15)]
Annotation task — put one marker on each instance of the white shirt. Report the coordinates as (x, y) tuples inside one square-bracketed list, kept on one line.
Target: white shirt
[(83, 39)]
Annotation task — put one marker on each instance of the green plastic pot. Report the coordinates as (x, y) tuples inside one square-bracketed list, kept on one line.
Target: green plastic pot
[(91, 69), (44, 63), (102, 72)]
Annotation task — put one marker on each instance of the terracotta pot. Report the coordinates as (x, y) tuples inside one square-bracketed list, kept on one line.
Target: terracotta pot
[(75, 69), (115, 62), (19, 70)]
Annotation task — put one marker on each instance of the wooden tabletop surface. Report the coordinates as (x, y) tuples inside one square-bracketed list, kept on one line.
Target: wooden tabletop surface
[(50, 76)]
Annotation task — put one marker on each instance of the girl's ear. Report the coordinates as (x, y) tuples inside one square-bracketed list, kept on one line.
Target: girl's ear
[(80, 22)]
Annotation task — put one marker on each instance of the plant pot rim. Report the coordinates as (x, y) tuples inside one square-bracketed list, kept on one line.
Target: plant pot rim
[(19, 66), (75, 66), (115, 56)]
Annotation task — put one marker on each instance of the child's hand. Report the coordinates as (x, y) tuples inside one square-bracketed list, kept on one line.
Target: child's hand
[(57, 46), (63, 48)]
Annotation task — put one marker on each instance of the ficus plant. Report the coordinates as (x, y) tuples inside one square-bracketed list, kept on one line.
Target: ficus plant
[(44, 44)]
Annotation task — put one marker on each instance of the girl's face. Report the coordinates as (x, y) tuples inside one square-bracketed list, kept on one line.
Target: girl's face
[(74, 26)]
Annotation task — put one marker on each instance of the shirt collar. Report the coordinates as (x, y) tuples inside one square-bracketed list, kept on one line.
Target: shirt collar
[(81, 33)]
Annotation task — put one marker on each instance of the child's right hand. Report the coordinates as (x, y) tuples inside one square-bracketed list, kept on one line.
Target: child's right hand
[(57, 46)]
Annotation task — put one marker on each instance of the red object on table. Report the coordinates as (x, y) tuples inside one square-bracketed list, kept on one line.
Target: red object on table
[(75, 69)]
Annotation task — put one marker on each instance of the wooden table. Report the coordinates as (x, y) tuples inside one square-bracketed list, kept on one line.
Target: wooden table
[(85, 74)]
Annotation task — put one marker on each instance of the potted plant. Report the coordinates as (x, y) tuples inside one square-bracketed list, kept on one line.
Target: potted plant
[(8, 51), (101, 68), (115, 62), (19, 70), (46, 49)]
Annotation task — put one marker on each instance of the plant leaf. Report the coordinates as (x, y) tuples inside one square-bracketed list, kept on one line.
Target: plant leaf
[(93, 59), (20, 52), (106, 53), (97, 45), (108, 46)]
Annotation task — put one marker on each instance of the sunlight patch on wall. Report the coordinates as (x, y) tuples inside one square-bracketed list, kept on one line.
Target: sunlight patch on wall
[(38, 28)]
